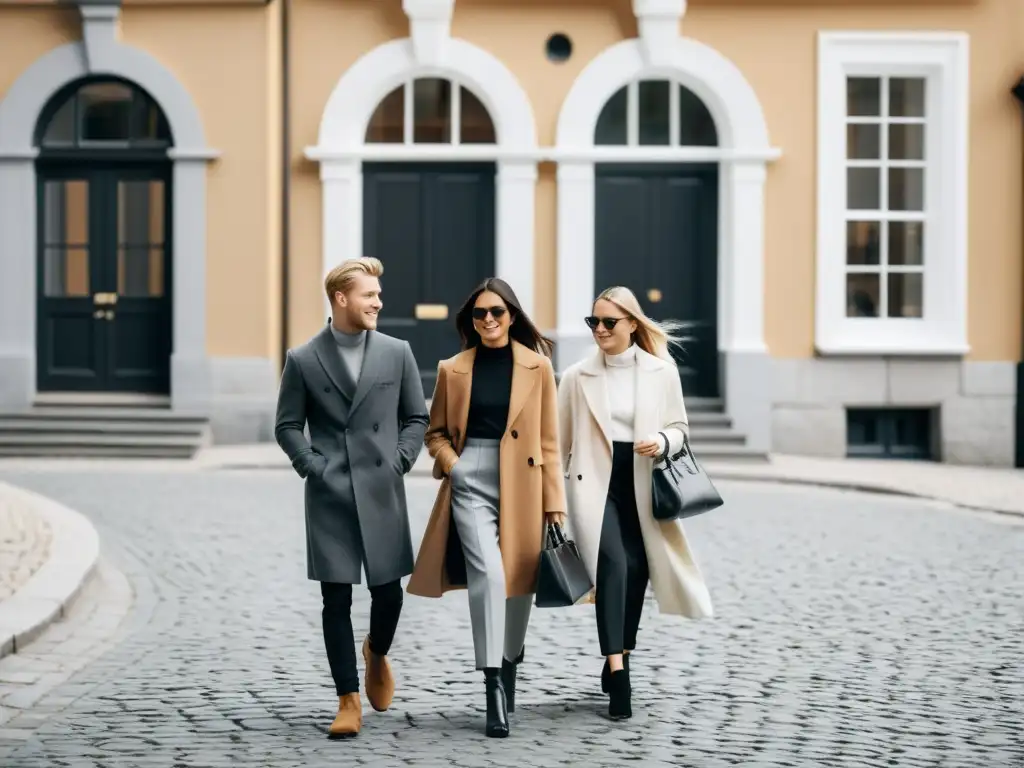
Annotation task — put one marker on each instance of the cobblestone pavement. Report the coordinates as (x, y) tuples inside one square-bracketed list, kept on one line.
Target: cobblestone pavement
[(24, 546), (851, 630)]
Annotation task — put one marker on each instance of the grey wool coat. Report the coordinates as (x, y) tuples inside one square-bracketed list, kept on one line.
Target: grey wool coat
[(364, 437)]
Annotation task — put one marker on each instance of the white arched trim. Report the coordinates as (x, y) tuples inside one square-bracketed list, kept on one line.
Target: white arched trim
[(341, 149), (100, 54), (742, 154)]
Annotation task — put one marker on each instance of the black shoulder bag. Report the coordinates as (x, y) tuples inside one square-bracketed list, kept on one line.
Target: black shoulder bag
[(680, 487), (562, 578)]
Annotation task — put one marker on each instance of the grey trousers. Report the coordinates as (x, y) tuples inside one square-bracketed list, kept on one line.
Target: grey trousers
[(499, 623)]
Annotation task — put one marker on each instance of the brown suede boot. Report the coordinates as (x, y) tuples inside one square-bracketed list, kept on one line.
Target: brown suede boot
[(379, 682), (349, 719)]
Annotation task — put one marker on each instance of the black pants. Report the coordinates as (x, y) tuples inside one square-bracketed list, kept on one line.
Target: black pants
[(385, 608), (622, 572)]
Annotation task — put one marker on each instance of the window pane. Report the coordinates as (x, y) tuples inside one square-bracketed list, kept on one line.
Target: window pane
[(148, 121), (906, 97), (906, 142), (906, 242), (475, 124), (696, 126), (863, 142), (140, 272), (863, 96), (66, 212), (906, 189), (387, 126), (140, 212), (66, 272), (611, 123), (653, 112), (863, 189), (862, 295), (432, 111), (906, 294), (105, 112), (61, 129), (863, 242)]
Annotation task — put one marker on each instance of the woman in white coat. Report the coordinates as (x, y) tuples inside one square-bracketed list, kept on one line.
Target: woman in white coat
[(616, 410)]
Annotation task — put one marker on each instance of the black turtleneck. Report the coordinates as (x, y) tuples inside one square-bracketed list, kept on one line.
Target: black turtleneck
[(492, 389)]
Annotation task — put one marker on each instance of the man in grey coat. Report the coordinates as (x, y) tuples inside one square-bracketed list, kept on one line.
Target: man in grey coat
[(360, 393)]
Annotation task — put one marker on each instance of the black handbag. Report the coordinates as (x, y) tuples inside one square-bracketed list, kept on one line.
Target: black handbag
[(680, 487), (562, 578)]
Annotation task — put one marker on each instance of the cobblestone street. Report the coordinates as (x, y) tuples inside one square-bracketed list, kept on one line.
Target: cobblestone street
[(851, 629)]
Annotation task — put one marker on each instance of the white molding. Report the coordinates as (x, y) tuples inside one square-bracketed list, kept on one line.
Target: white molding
[(743, 151), (657, 24), (942, 58), (430, 24), (19, 112), (601, 154), (341, 150)]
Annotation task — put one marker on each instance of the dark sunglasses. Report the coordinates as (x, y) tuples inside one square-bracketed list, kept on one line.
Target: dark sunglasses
[(609, 323), (480, 313)]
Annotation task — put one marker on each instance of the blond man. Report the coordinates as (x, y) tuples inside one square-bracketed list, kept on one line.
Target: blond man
[(360, 394)]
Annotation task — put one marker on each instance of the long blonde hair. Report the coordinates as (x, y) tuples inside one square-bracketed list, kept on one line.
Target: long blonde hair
[(652, 336)]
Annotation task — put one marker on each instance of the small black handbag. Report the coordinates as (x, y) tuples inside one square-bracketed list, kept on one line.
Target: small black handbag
[(562, 578), (680, 487)]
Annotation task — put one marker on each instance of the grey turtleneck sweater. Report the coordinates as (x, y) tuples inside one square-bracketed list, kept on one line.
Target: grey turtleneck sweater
[(351, 347)]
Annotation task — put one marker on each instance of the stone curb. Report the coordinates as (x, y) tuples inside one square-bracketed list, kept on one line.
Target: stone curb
[(51, 590)]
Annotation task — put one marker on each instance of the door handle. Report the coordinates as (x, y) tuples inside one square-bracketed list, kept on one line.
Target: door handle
[(100, 314), (654, 295), (431, 311), (104, 299)]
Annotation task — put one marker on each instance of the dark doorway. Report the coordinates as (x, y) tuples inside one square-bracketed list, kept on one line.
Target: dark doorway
[(104, 250), (656, 233), (433, 227)]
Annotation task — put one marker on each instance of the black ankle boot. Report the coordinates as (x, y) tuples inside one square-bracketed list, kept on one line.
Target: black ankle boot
[(619, 692), (497, 708), (508, 679), (606, 671)]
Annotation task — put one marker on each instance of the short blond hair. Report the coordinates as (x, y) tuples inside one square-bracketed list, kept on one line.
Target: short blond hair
[(340, 278)]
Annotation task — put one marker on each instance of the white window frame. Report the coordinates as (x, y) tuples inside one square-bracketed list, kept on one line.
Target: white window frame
[(941, 58)]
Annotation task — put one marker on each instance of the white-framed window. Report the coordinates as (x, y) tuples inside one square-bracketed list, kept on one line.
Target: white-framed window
[(430, 110), (892, 193)]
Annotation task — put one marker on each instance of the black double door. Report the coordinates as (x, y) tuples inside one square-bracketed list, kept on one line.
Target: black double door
[(104, 279), (656, 233), (432, 225)]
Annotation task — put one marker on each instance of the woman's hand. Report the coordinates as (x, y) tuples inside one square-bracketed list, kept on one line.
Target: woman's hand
[(554, 518), (648, 448)]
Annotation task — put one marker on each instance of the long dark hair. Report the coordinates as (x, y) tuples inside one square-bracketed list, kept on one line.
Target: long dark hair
[(522, 330)]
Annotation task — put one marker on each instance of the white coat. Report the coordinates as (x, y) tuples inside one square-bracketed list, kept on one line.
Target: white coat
[(584, 430)]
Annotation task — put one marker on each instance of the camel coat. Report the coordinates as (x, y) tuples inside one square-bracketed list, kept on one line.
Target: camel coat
[(531, 474), (585, 429)]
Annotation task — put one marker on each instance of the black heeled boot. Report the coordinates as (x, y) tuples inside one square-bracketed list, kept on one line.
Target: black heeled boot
[(607, 671), (497, 707), (508, 679), (619, 692)]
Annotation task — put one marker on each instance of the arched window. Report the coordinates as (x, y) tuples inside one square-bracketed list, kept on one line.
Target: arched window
[(107, 113), (655, 113), (430, 111)]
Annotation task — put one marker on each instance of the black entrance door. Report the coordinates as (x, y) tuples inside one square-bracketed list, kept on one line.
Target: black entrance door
[(656, 233), (433, 227), (104, 279)]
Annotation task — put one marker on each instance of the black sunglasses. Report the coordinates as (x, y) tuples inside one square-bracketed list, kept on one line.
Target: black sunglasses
[(480, 313), (608, 322)]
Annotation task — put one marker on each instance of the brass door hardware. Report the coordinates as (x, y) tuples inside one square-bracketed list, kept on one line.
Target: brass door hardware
[(104, 299), (654, 295), (100, 314), (431, 311)]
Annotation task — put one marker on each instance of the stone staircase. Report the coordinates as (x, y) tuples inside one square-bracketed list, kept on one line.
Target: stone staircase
[(713, 436), (111, 430)]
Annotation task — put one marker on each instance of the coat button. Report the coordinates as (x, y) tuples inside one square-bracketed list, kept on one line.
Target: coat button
[(515, 435), (327, 389), (376, 427), (530, 461), (379, 462), (579, 477), (344, 467)]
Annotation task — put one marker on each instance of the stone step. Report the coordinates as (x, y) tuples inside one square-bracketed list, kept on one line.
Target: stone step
[(100, 413), (93, 451), (80, 426)]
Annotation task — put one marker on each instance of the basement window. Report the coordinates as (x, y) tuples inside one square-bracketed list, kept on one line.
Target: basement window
[(891, 433)]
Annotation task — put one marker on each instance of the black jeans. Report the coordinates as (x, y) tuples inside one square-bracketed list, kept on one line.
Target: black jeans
[(385, 608), (622, 572)]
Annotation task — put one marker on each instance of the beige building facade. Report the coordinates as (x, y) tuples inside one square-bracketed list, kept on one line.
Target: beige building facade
[(828, 193)]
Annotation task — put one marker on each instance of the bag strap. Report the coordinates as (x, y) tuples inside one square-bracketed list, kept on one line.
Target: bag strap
[(668, 445)]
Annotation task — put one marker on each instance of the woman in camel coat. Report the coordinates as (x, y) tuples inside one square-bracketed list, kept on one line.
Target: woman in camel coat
[(493, 435), (617, 408)]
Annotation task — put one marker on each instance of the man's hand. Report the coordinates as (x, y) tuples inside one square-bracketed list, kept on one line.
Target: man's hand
[(555, 518)]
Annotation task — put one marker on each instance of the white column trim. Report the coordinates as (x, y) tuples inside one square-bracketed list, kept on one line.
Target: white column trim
[(515, 192)]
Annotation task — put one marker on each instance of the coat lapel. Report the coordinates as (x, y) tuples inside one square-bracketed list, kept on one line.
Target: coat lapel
[(595, 391), (524, 379), (372, 364), (460, 384), (330, 359)]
